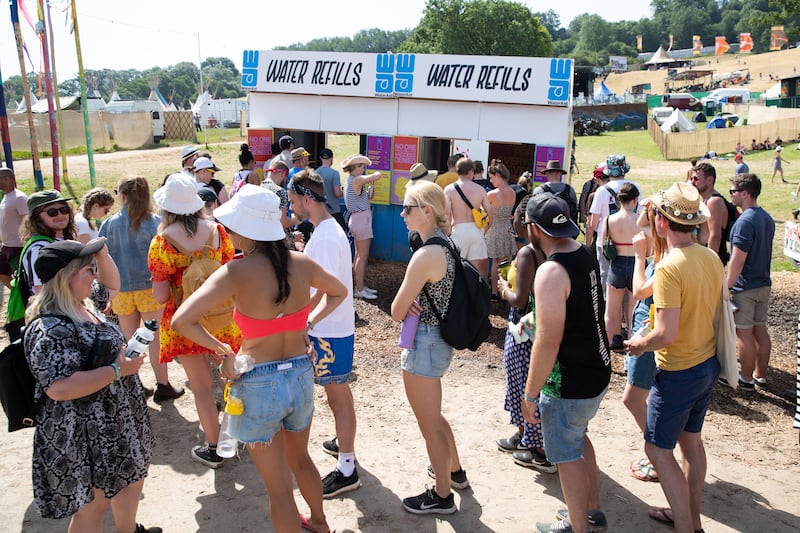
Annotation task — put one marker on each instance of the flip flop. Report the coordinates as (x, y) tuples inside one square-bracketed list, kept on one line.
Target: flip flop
[(659, 514), (305, 523), (643, 470)]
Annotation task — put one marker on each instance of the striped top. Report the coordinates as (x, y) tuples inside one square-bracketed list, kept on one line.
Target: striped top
[(355, 202)]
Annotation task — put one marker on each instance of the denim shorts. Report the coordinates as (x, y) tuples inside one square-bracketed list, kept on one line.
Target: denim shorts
[(753, 307), (334, 360), (678, 402), (278, 394), (620, 272), (564, 425), (641, 369), (430, 355)]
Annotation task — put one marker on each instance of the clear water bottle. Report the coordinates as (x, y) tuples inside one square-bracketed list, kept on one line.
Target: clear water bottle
[(243, 363), (141, 339), (227, 443)]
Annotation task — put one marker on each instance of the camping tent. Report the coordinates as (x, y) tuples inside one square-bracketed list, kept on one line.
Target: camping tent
[(661, 56), (677, 122), (605, 95), (772, 93)]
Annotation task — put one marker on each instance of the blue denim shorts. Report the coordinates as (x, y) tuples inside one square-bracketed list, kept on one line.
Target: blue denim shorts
[(430, 356), (278, 394), (678, 402), (620, 272), (564, 425), (334, 360), (641, 369)]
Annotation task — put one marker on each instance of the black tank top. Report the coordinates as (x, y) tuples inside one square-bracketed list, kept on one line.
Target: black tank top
[(583, 365)]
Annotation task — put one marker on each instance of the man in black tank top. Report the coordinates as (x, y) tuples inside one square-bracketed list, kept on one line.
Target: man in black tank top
[(570, 360)]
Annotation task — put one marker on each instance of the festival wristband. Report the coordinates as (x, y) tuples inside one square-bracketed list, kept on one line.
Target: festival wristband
[(531, 399), (309, 325), (115, 366), (223, 350)]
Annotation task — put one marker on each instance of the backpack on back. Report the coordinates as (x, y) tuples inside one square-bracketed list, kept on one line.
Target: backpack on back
[(466, 322), (583, 204), (613, 204), (20, 292), (198, 271), (566, 193)]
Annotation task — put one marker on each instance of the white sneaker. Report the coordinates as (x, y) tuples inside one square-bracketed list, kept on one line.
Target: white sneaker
[(370, 289), (363, 294)]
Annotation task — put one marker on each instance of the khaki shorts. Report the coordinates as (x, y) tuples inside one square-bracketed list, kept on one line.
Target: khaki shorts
[(753, 307), (127, 303)]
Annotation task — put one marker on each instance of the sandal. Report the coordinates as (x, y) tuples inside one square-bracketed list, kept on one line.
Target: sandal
[(659, 514), (643, 470), (305, 523)]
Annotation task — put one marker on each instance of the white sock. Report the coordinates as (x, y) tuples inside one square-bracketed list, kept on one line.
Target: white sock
[(347, 463), (745, 380)]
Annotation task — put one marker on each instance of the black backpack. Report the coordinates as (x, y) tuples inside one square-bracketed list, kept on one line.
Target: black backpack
[(466, 322), (583, 204), (566, 193), (613, 204)]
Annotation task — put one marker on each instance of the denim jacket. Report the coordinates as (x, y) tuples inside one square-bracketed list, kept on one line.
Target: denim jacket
[(129, 250)]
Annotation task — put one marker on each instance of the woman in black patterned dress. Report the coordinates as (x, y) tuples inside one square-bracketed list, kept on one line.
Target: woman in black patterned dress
[(93, 441)]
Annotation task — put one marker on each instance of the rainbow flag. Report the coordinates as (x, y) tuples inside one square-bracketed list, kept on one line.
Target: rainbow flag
[(745, 43)]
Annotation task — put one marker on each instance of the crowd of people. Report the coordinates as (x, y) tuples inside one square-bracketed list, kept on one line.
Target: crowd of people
[(647, 284)]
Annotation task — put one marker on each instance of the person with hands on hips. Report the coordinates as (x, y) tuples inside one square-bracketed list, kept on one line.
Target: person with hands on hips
[(93, 441), (274, 317)]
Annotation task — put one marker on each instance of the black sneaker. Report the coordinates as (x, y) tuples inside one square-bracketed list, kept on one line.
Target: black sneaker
[(745, 385), (337, 483), (141, 529), (430, 503), (458, 479), (207, 455), (511, 444), (536, 460), (167, 392), (597, 519), (331, 447)]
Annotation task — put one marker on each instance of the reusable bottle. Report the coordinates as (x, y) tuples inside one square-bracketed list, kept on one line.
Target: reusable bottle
[(141, 339), (408, 331)]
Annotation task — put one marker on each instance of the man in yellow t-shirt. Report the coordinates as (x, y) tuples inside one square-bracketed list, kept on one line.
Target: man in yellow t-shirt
[(686, 291), (446, 178)]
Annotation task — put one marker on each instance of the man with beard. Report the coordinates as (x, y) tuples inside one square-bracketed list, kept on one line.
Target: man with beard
[(714, 233)]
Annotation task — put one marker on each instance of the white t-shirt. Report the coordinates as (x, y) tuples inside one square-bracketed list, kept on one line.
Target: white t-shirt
[(602, 197), (13, 209), (83, 228), (328, 246)]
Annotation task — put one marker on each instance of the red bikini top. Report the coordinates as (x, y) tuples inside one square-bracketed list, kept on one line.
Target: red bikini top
[(253, 328)]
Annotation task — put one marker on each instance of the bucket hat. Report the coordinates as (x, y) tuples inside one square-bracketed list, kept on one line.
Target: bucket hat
[(179, 195), (254, 213)]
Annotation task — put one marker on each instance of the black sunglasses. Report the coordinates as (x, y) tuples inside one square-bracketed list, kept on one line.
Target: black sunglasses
[(407, 209), (54, 211)]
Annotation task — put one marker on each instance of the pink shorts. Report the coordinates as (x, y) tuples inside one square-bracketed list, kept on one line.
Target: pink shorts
[(361, 225)]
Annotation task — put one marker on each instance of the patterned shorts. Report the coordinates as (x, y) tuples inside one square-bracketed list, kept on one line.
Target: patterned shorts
[(127, 303)]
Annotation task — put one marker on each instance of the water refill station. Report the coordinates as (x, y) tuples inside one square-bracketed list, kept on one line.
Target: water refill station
[(410, 108)]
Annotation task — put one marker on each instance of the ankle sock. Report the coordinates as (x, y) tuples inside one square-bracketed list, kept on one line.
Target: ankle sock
[(347, 463)]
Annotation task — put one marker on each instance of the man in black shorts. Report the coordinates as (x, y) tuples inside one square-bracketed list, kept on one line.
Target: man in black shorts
[(13, 210)]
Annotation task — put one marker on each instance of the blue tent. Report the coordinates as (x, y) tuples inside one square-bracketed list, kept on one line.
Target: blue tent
[(604, 94)]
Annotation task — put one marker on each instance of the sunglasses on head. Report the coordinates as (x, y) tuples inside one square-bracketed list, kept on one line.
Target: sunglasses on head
[(54, 211)]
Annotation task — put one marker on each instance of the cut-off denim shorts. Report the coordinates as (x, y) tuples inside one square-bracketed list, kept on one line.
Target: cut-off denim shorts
[(278, 394), (564, 425), (430, 356)]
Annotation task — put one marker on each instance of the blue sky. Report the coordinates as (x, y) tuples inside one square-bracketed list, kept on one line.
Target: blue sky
[(146, 33)]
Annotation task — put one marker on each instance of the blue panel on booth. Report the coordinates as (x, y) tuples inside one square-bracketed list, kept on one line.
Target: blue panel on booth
[(400, 250), (390, 241)]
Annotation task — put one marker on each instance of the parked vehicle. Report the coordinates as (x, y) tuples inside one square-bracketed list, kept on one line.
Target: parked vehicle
[(682, 101), (731, 95), (153, 107)]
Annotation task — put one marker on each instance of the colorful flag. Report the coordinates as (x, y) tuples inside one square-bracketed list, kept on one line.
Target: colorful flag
[(697, 45), (777, 38), (745, 43), (670, 42), (721, 45), (639, 42)]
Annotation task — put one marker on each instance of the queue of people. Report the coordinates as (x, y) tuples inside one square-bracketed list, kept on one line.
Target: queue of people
[(565, 320)]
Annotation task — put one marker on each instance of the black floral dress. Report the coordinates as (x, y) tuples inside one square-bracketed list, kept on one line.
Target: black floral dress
[(101, 441)]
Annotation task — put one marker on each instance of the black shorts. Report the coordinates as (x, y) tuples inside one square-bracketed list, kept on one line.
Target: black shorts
[(9, 259)]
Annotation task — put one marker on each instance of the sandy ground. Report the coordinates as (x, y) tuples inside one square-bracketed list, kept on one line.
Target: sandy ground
[(747, 489)]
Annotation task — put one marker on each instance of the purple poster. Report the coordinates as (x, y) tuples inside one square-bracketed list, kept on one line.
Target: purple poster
[(542, 155), (379, 151)]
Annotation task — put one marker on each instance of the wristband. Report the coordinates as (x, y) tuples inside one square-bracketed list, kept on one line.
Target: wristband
[(531, 399), (115, 366), (309, 325), (223, 350)]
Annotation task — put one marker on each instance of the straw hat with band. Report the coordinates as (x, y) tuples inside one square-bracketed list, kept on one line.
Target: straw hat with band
[(682, 204)]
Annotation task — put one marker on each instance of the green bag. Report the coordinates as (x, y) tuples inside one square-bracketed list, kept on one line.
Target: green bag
[(20, 292)]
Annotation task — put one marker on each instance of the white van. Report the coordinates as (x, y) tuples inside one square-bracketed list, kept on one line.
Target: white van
[(731, 95), (150, 106)]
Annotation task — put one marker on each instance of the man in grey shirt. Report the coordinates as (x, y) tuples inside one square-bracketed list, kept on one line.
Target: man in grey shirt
[(333, 186)]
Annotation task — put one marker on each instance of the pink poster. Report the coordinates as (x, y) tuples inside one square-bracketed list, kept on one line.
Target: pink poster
[(542, 155), (379, 151)]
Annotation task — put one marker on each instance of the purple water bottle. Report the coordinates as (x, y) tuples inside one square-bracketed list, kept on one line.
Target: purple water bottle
[(408, 331)]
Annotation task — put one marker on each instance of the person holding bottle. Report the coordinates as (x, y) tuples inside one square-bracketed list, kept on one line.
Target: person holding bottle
[(275, 317)]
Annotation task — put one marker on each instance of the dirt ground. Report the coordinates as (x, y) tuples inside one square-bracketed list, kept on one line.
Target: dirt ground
[(753, 481)]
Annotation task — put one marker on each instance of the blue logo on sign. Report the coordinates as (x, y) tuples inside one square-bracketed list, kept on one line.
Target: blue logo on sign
[(558, 91), (394, 74), (250, 69)]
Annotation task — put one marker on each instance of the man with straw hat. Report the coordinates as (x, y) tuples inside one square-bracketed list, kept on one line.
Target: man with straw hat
[(686, 291)]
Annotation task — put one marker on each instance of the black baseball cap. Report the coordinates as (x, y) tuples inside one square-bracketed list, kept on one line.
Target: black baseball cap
[(326, 153), (551, 214), (285, 142), (54, 257)]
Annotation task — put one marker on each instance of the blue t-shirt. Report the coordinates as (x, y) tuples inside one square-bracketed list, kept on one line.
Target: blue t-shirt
[(331, 180), (753, 232)]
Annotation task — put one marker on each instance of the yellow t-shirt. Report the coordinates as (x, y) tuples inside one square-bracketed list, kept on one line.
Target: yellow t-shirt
[(445, 179), (690, 279)]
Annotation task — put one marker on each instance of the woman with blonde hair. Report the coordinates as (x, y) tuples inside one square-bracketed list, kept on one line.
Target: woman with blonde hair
[(185, 231), (274, 316), (431, 270), (95, 204), (356, 198), (129, 234)]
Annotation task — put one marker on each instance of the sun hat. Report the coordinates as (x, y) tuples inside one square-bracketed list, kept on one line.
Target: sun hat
[(326, 153), (419, 171), (554, 165), (299, 153), (188, 151), (551, 214), (357, 159), (179, 195), (682, 204), (53, 257), (40, 198), (254, 213), (203, 162)]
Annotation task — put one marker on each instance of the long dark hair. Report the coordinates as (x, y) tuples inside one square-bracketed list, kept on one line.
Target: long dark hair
[(278, 254), (137, 199), (245, 155)]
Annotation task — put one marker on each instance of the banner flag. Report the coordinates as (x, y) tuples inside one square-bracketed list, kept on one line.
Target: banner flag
[(745, 43), (697, 45), (777, 38), (639, 42), (721, 45), (670, 42)]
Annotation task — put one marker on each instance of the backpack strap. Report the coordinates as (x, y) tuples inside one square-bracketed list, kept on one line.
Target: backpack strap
[(466, 201), (455, 255)]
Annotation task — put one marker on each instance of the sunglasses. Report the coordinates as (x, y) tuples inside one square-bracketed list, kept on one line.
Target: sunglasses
[(731, 191), (407, 209), (54, 211)]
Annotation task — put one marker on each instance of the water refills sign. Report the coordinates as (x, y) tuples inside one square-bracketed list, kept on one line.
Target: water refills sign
[(517, 80)]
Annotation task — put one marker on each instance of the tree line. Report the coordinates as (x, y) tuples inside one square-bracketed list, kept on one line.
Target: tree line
[(478, 27)]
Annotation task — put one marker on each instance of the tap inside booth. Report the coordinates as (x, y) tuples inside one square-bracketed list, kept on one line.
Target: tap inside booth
[(410, 108)]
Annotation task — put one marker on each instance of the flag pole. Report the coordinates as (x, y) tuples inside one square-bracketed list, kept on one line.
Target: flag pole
[(59, 121), (48, 84), (84, 101), (4, 132)]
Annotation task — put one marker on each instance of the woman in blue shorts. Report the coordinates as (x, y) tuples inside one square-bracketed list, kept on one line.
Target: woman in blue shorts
[(274, 317), (431, 268)]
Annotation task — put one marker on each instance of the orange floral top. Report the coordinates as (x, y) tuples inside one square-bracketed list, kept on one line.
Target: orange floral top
[(167, 264)]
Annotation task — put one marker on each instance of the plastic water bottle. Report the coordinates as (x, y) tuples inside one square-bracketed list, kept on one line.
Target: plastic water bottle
[(227, 444), (408, 332), (141, 339), (243, 363)]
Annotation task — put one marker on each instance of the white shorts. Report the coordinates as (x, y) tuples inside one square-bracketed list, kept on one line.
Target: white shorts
[(470, 241)]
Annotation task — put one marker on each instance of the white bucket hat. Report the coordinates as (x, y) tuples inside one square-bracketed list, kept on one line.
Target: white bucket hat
[(254, 212), (179, 195)]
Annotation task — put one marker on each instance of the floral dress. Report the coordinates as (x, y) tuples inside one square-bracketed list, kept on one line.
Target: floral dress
[(500, 238), (103, 440), (167, 264)]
